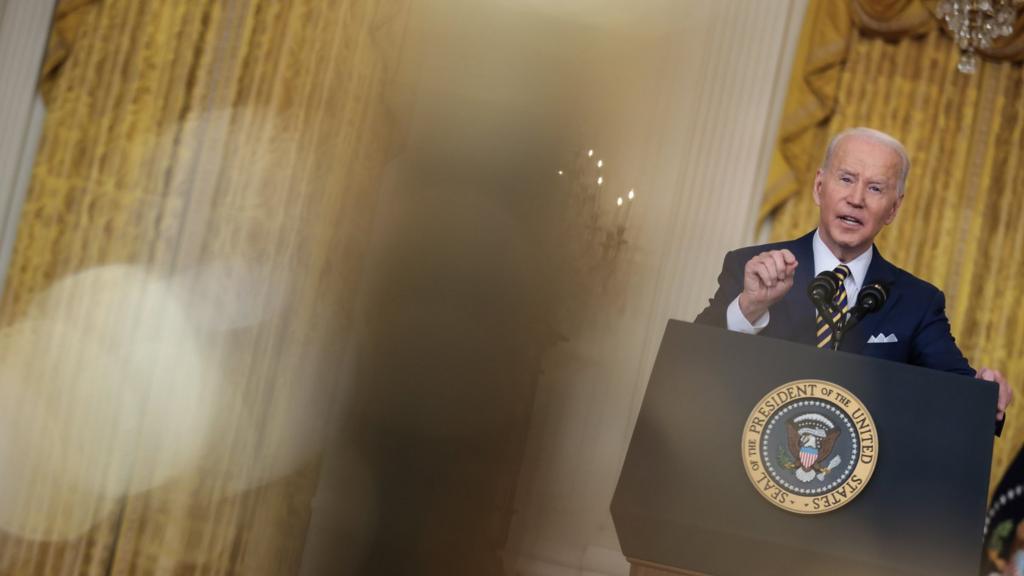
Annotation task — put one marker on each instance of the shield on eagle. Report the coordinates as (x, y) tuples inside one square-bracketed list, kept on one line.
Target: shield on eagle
[(811, 437), (808, 456)]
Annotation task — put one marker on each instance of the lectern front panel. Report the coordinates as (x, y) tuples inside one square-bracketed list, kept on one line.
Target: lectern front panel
[(684, 499)]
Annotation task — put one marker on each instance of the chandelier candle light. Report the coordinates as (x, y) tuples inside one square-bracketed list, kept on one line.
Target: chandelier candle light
[(975, 24)]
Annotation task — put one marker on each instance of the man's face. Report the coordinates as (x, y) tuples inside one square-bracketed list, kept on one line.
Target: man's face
[(857, 195)]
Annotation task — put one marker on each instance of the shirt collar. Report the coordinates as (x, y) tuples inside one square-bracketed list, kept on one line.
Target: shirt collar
[(824, 259)]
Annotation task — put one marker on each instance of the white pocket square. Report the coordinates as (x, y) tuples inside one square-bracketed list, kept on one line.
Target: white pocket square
[(882, 339)]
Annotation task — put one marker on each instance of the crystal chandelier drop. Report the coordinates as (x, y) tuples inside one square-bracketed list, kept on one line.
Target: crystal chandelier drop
[(975, 24)]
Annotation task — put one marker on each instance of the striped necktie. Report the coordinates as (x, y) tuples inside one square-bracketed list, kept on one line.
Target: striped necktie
[(841, 307)]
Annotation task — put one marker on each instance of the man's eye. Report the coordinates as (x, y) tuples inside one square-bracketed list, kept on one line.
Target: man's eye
[(846, 179), (875, 188)]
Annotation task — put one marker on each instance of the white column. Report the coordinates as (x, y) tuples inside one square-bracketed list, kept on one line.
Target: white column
[(24, 29)]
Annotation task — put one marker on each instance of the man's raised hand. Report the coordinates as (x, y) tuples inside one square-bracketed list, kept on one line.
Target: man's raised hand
[(767, 277)]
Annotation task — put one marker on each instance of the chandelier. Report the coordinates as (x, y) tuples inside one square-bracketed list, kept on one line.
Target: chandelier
[(975, 24)]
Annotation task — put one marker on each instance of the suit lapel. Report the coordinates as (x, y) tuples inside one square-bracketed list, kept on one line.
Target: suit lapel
[(884, 273), (798, 306)]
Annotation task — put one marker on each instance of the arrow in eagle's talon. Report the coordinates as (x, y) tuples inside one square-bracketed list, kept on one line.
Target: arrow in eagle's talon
[(825, 470)]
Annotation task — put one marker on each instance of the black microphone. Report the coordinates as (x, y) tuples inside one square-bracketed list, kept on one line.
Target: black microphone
[(871, 299), (822, 291), (823, 288)]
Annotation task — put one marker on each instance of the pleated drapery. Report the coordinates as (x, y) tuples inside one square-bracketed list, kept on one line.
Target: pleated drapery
[(201, 161)]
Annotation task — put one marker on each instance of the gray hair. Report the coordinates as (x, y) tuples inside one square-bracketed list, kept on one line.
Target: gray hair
[(881, 138)]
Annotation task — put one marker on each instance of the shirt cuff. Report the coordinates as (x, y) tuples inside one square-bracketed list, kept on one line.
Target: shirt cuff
[(737, 322)]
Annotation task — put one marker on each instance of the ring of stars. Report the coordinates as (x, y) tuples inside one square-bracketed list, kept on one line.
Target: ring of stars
[(817, 407)]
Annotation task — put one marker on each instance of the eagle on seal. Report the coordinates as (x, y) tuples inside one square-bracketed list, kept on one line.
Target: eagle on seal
[(811, 437)]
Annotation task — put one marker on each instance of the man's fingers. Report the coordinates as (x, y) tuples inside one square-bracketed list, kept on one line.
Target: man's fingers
[(780, 264), (767, 277), (1005, 391), (1003, 401), (761, 269), (773, 271), (790, 263), (991, 375)]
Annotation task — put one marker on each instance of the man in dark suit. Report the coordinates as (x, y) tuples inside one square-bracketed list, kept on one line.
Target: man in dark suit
[(858, 189)]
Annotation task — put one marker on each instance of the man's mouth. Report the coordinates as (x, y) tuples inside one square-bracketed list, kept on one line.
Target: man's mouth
[(851, 221)]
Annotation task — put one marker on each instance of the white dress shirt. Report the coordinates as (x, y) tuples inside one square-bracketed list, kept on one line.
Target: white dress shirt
[(824, 259)]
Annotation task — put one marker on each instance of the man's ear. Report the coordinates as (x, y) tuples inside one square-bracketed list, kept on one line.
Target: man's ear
[(818, 176), (895, 208)]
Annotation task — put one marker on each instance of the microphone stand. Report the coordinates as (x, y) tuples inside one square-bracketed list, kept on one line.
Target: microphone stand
[(871, 299), (853, 318), (846, 322)]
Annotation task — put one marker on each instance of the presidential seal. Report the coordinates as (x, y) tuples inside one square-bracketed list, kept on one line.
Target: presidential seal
[(809, 446)]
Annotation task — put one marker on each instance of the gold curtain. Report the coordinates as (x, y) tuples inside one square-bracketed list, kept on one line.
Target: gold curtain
[(890, 66), (183, 134)]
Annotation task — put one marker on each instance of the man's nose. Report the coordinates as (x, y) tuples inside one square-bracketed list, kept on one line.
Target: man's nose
[(856, 197)]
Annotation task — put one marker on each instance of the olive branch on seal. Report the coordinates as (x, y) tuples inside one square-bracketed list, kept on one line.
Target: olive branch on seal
[(785, 459)]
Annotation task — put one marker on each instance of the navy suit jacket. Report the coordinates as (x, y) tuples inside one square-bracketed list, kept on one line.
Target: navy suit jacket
[(915, 311)]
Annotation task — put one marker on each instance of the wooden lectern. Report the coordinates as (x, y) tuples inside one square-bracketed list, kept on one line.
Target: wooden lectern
[(685, 503)]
